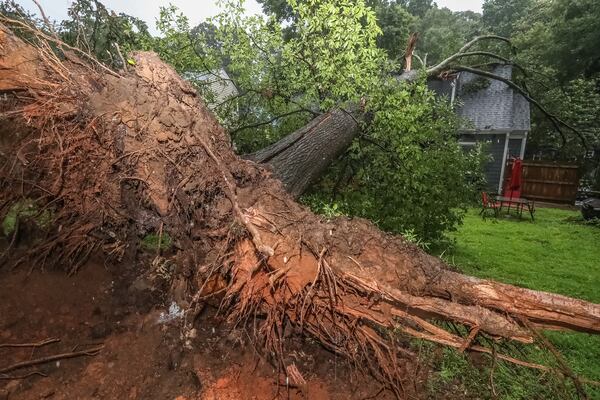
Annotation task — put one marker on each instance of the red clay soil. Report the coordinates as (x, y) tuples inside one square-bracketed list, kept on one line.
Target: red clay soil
[(143, 359)]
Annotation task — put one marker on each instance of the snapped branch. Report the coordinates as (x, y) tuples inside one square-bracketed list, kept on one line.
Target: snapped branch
[(437, 69)]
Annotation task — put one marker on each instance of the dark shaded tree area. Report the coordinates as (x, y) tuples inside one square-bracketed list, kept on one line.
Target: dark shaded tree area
[(557, 41)]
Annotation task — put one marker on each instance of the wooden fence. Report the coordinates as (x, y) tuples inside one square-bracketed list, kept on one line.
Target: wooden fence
[(545, 181)]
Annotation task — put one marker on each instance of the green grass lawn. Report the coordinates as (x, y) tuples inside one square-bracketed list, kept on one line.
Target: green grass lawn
[(556, 253)]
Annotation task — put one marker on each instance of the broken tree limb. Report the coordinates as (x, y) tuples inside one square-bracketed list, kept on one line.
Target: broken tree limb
[(463, 52)]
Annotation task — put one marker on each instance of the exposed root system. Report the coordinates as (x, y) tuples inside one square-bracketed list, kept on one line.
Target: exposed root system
[(115, 156)]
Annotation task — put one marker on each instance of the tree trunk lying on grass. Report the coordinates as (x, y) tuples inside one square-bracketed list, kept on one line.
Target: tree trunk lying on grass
[(115, 156)]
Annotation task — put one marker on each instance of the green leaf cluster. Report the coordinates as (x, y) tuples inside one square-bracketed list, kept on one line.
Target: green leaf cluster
[(407, 171), (106, 35)]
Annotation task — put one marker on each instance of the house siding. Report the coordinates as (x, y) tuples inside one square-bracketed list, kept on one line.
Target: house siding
[(493, 168), (514, 147), (494, 145), (495, 149)]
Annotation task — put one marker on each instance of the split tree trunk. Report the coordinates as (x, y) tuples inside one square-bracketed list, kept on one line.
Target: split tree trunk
[(116, 156)]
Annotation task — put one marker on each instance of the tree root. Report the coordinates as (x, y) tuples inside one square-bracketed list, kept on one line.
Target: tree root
[(37, 344), (43, 360)]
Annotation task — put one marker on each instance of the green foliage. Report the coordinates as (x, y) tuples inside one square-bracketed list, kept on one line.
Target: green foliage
[(396, 23), (407, 173), (444, 32), (502, 16), (562, 35), (395, 19), (410, 236), (150, 242), (325, 208), (175, 43), (334, 56), (25, 209), (417, 8), (102, 32)]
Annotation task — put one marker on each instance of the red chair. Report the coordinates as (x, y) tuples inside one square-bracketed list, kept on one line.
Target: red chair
[(489, 204)]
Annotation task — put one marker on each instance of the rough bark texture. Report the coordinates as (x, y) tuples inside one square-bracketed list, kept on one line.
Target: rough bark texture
[(115, 157), (301, 158)]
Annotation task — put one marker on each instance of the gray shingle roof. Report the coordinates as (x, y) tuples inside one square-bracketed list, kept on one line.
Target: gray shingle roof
[(218, 82), (488, 105)]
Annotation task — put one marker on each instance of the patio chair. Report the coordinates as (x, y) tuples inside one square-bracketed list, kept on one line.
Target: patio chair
[(489, 203)]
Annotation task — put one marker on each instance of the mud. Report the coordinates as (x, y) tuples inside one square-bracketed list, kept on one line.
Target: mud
[(141, 358)]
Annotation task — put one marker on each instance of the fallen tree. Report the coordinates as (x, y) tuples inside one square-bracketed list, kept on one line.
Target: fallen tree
[(114, 156), (302, 157)]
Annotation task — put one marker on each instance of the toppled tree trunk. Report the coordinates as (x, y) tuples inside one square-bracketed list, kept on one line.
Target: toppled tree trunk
[(114, 157), (305, 149), (300, 158)]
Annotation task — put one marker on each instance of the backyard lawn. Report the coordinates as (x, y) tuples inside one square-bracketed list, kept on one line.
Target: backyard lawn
[(556, 253)]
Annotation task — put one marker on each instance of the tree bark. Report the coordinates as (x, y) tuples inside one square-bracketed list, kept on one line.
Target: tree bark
[(301, 158)]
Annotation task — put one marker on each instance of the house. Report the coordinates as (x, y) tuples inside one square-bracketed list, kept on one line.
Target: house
[(217, 86), (493, 113)]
